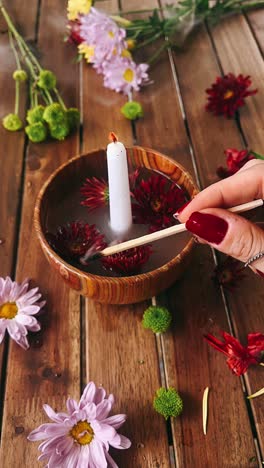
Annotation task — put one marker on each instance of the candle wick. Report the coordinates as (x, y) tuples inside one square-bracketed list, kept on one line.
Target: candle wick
[(113, 137)]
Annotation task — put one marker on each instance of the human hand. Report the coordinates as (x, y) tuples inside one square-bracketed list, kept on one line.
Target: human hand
[(223, 230)]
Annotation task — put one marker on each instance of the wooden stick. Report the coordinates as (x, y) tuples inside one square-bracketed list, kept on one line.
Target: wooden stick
[(149, 238)]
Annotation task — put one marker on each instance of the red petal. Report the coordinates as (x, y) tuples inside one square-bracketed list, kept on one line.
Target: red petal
[(255, 344), (215, 343), (238, 366)]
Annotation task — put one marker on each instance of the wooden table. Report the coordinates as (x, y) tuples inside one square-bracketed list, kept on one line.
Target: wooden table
[(81, 340)]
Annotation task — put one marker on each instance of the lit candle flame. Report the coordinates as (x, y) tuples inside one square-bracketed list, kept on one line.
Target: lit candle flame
[(113, 137)]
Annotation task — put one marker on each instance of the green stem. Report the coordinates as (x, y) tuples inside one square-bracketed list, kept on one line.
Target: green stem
[(157, 53), (148, 41), (60, 99), (17, 98), (18, 64), (257, 155), (135, 12), (48, 96)]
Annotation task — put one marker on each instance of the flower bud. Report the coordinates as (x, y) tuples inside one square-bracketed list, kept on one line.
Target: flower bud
[(47, 80), (20, 75), (12, 122)]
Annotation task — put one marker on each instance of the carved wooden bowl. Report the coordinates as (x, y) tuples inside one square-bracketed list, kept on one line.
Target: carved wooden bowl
[(107, 289)]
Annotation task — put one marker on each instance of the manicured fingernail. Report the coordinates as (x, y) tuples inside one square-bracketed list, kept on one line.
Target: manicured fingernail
[(260, 273), (208, 227), (180, 209)]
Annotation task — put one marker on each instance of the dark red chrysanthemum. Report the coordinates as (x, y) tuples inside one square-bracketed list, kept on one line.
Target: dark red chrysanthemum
[(128, 262), (239, 357), (96, 193), (74, 35), (235, 159), (156, 202), (228, 93), (229, 273), (72, 240)]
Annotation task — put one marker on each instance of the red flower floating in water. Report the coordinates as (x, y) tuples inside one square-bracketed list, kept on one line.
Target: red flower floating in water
[(96, 193), (239, 357), (128, 262), (229, 273), (73, 239), (228, 93), (156, 202), (235, 159)]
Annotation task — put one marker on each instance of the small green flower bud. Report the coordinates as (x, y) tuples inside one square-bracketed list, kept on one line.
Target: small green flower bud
[(12, 122), (37, 132), (168, 402), (60, 131), (73, 117), (54, 114), (47, 80), (158, 319), (20, 75), (35, 115), (132, 110)]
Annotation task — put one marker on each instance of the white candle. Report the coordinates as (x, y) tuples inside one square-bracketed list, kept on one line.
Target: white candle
[(119, 191)]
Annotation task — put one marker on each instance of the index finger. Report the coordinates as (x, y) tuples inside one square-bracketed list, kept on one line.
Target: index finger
[(242, 187)]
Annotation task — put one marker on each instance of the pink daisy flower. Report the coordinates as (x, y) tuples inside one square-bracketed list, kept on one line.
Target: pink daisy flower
[(123, 75), (81, 437), (18, 304)]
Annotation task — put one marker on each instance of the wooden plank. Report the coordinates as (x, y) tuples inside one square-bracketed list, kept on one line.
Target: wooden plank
[(11, 156), (120, 354), (50, 370), (24, 18), (196, 304), (256, 19)]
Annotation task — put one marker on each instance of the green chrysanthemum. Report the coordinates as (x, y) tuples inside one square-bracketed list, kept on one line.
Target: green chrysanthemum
[(54, 114), (168, 402), (12, 122), (73, 117), (132, 110), (35, 115), (60, 131), (158, 319), (47, 80), (37, 132), (20, 75)]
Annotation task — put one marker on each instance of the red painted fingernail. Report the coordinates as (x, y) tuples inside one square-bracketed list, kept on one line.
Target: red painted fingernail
[(260, 273), (181, 209), (208, 227)]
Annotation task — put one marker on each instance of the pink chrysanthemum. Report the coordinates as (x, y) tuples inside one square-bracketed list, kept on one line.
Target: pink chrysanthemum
[(81, 437), (123, 75), (74, 239), (156, 202), (228, 93), (18, 304), (129, 262), (235, 159)]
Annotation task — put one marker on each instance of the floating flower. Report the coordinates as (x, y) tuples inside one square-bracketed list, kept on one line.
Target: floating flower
[(132, 110), (78, 7), (229, 273), (72, 240), (158, 319), (124, 75), (157, 201), (168, 402), (18, 304), (128, 262), (81, 437), (228, 93), (96, 193), (239, 357), (235, 159), (12, 122)]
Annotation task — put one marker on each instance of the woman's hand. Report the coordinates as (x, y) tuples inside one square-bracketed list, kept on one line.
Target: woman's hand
[(225, 231)]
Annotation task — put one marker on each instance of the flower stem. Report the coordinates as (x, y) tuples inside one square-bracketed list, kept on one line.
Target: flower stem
[(60, 98), (156, 55), (11, 41), (17, 98), (257, 155)]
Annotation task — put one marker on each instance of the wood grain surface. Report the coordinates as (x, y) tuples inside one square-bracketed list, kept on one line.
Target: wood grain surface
[(82, 340)]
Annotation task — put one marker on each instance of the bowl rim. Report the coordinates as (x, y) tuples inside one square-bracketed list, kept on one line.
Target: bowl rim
[(89, 276)]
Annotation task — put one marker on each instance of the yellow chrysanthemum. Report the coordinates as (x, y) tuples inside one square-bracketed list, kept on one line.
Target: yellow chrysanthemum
[(87, 51), (131, 44), (76, 7)]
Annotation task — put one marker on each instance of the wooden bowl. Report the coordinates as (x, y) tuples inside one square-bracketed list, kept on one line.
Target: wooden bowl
[(105, 289)]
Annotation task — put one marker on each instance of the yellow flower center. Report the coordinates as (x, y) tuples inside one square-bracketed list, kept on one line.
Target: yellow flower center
[(131, 43), (8, 310), (82, 433), (125, 53), (156, 205), (111, 34), (128, 75), (228, 94)]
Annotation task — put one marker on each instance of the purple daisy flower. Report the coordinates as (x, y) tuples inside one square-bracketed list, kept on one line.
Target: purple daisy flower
[(123, 75), (81, 437), (18, 304)]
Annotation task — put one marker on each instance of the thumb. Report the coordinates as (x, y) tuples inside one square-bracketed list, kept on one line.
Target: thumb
[(227, 232)]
